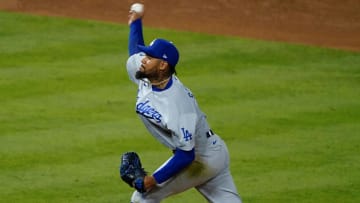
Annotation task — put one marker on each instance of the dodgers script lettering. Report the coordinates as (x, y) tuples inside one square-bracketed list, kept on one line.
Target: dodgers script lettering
[(149, 112)]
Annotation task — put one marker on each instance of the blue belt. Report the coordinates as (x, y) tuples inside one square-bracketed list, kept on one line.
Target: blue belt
[(209, 133)]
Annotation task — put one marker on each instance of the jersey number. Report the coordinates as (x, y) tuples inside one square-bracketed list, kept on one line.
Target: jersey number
[(187, 134)]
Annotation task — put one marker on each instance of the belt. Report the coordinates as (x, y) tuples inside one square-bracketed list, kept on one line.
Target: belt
[(209, 133)]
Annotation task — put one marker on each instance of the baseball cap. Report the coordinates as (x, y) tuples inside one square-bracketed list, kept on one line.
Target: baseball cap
[(162, 49)]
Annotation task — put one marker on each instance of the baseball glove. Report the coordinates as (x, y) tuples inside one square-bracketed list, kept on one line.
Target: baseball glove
[(131, 171)]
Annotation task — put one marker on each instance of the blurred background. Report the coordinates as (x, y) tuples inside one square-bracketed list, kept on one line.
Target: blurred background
[(331, 23)]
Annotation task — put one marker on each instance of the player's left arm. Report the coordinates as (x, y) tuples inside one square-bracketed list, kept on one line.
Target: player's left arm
[(184, 154), (180, 160), (183, 128)]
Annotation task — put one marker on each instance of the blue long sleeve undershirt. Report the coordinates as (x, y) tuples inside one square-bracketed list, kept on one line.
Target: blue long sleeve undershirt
[(178, 162), (135, 37), (181, 159)]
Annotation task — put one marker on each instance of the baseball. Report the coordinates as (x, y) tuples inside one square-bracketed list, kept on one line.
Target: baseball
[(137, 8)]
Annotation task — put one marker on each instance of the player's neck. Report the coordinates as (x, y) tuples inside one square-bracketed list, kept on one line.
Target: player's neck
[(161, 84)]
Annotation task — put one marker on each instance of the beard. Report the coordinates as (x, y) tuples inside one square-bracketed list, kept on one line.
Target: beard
[(140, 75)]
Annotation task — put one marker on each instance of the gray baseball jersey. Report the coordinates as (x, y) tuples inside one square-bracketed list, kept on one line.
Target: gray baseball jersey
[(173, 117)]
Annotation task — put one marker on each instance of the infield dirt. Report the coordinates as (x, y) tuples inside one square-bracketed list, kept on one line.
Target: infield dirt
[(327, 23)]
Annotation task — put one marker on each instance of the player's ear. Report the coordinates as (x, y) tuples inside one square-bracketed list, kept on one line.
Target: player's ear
[(164, 65)]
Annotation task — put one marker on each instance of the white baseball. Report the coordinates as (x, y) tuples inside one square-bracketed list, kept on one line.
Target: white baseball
[(137, 7)]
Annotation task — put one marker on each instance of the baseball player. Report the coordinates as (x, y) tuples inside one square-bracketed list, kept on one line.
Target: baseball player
[(171, 114)]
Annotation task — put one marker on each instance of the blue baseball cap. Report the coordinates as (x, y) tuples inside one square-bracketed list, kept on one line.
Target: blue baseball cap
[(162, 49)]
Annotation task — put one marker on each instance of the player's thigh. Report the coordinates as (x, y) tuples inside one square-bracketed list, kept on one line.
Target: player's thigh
[(220, 189), (189, 178)]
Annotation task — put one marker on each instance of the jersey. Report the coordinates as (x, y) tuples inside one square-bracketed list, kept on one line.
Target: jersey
[(174, 118), (172, 114)]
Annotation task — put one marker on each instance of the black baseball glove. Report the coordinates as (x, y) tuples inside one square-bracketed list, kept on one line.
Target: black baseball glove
[(132, 172)]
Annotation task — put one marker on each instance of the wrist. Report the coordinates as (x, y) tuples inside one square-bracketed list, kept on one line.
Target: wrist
[(134, 17), (149, 182)]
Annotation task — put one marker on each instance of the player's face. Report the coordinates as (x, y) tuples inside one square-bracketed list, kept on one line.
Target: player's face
[(149, 68)]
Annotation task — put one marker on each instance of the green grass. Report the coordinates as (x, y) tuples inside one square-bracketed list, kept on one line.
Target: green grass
[(289, 113)]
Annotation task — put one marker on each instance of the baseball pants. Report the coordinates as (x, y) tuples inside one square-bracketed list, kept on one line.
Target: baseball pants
[(209, 174)]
